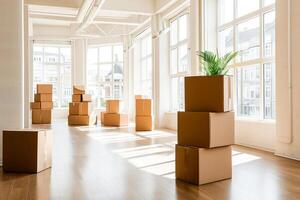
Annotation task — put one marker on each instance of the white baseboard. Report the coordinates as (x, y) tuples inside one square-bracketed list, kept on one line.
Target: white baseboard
[(288, 157), (256, 147)]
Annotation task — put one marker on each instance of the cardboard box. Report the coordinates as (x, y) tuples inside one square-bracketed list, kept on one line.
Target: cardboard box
[(141, 97), (86, 98), (76, 98), (200, 166), (41, 116), (113, 106), (101, 116), (44, 88), (41, 105), (79, 120), (79, 89), (79, 108), (205, 130), (209, 93), (42, 97), (115, 119), (143, 107), (27, 151), (143, 123)]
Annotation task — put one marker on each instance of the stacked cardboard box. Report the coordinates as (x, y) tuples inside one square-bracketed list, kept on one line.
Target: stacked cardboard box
[(143, 118), (113, 116), (205, 130), (42, 105), (79, 109)]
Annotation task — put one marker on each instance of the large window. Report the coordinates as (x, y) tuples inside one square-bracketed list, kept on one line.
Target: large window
[(52, 64), (146, 64), (179, 66), (105, 73), (249, 27)]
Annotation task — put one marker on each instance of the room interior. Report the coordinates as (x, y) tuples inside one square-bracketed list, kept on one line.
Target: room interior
[(119, 50)]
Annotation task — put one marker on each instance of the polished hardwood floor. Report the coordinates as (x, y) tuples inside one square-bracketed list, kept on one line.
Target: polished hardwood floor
[(117, 163)]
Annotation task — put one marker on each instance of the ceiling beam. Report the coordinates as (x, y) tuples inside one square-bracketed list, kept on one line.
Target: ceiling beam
[(58, 3), (131, 21)]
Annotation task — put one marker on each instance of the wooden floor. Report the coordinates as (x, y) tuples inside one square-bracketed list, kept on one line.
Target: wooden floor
[(111, 163)]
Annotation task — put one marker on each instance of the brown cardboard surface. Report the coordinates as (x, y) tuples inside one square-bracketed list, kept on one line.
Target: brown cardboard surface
[(34, 152), (141, 97), (143, 123), (41, 116), (115, 119), (113, 106), (42, 97), (86, 98), (79, 108), (201, 166), (209, 93), (78, 89), (143, 107), (76, 98), (41, 105), (101, 116), (80, 120), (205, 130), (44, 88)]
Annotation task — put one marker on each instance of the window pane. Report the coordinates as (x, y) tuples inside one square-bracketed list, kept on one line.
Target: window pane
[(144, 69), (66, 88), (226, 11), (173, 61), (174, 94), (65, 55), (105, 54), (246, 6), (248, 91), (149, 68), (181, 94), (105, 73), (149, 45), (92, 56), (51, 55), (268, 2), (269, 91), (182, 27), (226, 41), (92, 74), (269, 34), (173, 32), (183, 58), (118, 91), (248, 40), (118, 53), (118, 72)]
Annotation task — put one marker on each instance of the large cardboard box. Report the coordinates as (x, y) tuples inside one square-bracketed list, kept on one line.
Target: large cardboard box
[(27, 151), (143, 123), (115, 119), (41, 116), (86, 98), (200, 166), (42, 97), (79, 89), (41, 105), (205, 129), (44, 88), (113, 106), (143, 107), (79, 120), (79, 108), (209, 93), (76, 98)]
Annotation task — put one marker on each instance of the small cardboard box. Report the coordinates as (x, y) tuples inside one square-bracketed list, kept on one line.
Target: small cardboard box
[(79, 120), (44, 88), (86, 98), (201, 166), (27, 151), (143, 107), (79, 89), (143, 123), (205, 129), (79, 108), (115, 119), (209, 93), (41, 116), (113, 106), (41, 105), (76, 98), (43, 97)]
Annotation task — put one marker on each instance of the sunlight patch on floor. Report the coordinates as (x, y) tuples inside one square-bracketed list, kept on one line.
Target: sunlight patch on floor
[(155, 134), (117, 137), (240, 158)]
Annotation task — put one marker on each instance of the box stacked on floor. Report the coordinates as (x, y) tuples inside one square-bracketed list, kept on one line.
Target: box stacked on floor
[(143, 117), (113, 116)]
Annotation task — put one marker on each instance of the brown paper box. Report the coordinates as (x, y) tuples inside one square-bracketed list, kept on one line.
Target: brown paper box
[(76, 98), (113, 106), (79, 89), (115, 119), (41, 116), (143, 123), (200, 166), (44, 88), (86, 98), (33, 153), (41, 105), (209, 93), (205, 130), (143, 107), (43, 97), (79, 108), (79, 120)]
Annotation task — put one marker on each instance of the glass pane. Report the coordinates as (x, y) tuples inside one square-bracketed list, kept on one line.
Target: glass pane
[(269, 91), (118, 91), (173, 32), (173, 61), (182, 27), (226, 11), (181, 94), (38, 58), (149, 45), (105, 54), (65, 55), (268, 2), (144, 48), (118, 53), (226, 41), (51, 74), (248, 40), (269, 34), (118, 72), (94, 91), (246, 6), (144, 69), (248, 91), (105, 92), (37, 73), (92, 57), (183, 58), (174, 94), (92, 74), (105, 73), (38, 49), (149, 68), (51, 55)]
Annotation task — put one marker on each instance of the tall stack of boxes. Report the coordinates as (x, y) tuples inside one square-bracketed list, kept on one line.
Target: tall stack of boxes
[(42, 105), (113, 116), (143, 118), (205, 130), (79, 109)]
